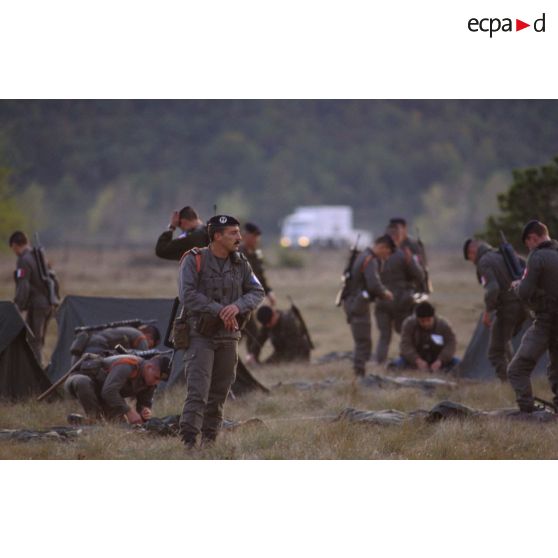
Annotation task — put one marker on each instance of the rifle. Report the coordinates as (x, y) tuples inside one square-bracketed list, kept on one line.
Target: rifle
[(46, 275), (300, 319), (63, 378), (347, 273), (110, 325), (513, 263), (424, 261), (168, 342)]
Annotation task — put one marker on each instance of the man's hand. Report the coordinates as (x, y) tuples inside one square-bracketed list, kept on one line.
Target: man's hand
[(421, 364), (271, 298), (229, 312), (436, 365), (388, 295), (146, 413), (515, 284), (133, 417), (486, 319), (175, 219), (251, 359)]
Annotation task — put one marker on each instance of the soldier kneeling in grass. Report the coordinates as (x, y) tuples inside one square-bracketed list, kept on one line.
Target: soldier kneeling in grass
[(102, 384), (427, 342)]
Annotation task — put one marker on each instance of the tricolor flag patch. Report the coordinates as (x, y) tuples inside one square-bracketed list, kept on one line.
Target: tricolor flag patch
[(254, 280), (483, 280), (20, 273)]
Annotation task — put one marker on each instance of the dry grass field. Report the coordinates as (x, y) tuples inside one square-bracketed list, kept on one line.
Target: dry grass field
[(296, 424)]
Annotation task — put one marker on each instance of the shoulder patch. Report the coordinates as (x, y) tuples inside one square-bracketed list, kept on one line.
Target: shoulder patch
[(254, 280), (20, 273)]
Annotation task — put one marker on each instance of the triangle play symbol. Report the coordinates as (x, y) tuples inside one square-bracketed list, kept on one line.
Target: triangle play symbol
[(519, 25)]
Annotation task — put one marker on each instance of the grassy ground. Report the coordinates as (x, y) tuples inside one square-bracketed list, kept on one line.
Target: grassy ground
[(296, 423)]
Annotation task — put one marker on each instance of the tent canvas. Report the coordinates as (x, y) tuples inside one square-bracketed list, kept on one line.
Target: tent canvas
[(78, 311), (475, 363), (21, 375)]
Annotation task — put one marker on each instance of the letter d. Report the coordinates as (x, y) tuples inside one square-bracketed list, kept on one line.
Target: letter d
[(535, 25)]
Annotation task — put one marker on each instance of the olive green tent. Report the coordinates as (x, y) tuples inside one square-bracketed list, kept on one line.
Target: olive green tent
[(21, 375)]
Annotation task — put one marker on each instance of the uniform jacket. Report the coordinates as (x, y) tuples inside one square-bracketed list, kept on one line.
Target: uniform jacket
[(213, 288), (118, 377), (540, 279), (289, 342), (418, 342), (494, 277), (30, 290), (256, 261), (400, 275), (173, 249), (364, 279)]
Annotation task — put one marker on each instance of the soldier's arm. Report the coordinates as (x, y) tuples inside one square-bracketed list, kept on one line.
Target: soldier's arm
[(491, 286), (190, 297), (23, 285), (528, 284), (163, 247), (372, 280), (450, 342), (261, 276), (414, 270), (253, 292), (407, 348), (114, 382)]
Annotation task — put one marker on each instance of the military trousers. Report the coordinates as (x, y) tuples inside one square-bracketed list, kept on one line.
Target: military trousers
[(506, 324), (361, 329), (390, 315), (540, 337), (210, 368), (37, 320), (87, 392)]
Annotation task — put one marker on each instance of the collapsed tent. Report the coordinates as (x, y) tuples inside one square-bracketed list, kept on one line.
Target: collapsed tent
[(78, 311), (21, 375), (475, 363)]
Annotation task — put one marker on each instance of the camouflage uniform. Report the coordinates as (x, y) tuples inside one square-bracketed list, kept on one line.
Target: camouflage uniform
[(430, 345), (101, 385), (251, 330), (399, 275), (509, 311), (173, 249), (364, 286), (104, 341), (420, 258), (539, 288), (288, 340), (211, 358), (32, 296)]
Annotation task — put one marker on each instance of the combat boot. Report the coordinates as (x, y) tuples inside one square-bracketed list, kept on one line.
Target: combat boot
[(189, 440)]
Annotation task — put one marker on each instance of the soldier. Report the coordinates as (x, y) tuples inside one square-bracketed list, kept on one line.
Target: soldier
[(194, 234), (286, 333), (31, 293), (400, 273), (538, 288), (218, 289), (416, 248), (504, 313), (250, 248), (427, 341), (364, 287), (104, 341), (101, 384)]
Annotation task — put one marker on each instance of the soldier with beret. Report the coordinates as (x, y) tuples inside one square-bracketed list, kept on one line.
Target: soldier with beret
[(364, 287), (218, 290), (102, 384), (539, 289), (504, 313), (194, 234), (32, 295), (104, 341)]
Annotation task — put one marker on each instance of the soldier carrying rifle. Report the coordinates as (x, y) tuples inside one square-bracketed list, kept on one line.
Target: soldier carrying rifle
[(36, 288)]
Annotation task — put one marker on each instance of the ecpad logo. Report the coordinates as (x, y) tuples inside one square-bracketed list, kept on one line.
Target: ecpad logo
[(493, 25)]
